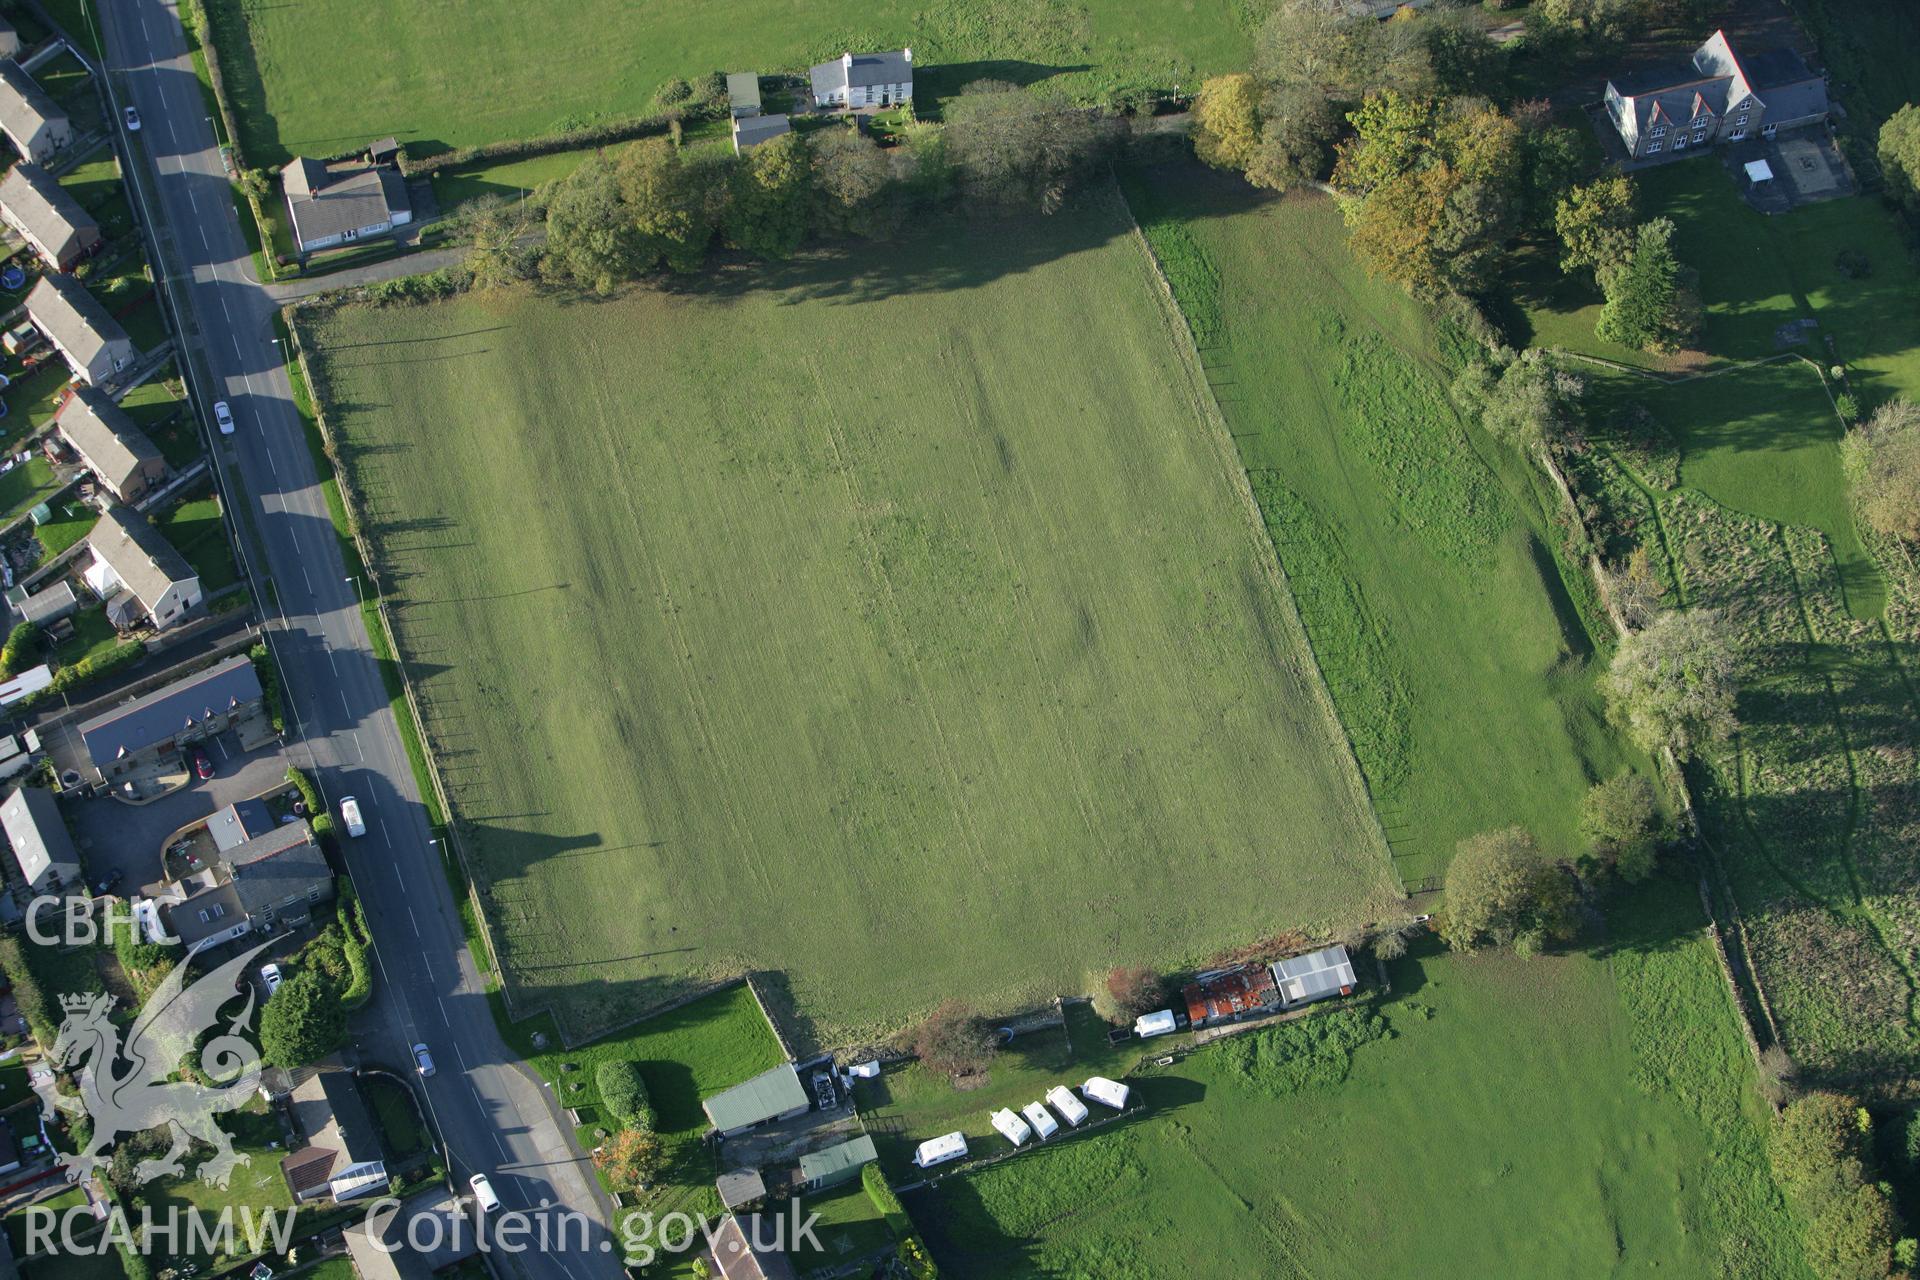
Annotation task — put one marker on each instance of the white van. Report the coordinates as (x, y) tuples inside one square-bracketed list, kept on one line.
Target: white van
[(483, 1193), (350, 817)]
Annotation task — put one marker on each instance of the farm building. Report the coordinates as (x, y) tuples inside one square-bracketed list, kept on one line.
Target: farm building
[(343, 203), (865, 80), (1107, 1092), (948, 1146), (1230, 994), (93, 343), (754, 130), (837, 1163), (111, 446), (37, 128), (47, 218), (740, 1251), (743, 93), (189, 710), (41, 845), (740, 1188), (776, 1094), (1314, 976), (138, 573)]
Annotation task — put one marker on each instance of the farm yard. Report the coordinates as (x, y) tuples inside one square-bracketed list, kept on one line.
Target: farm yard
[(892, 637), (323, 77), (1422, 1151)]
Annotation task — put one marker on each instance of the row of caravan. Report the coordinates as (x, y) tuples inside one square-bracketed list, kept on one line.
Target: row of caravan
[(1037, 1119)]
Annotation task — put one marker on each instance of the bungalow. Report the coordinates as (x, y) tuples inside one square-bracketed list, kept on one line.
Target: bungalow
[(751, 131), (192, 709), (776, 1094), (94, 344), (741, 1251), (855, 80), (118, 453), (339, 204), (743, 93), (271, 881), (341, 1158), (37, 128), (41, 844), (1716, 96), (138, 573), (34, 204), (1314, 976)]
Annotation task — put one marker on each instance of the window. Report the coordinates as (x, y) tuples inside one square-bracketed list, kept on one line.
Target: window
[(1680, 143), (1699, 135), (1653, 146), (1736, 135), (313, 894), (1659, 131)]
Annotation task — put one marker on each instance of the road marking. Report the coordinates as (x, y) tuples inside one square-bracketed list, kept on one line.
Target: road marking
[(343, 703), (458, 1056), (236, 349), (413, 922), (383, 832), (357, 749), (330, 661), (271, 467), (304, 578)]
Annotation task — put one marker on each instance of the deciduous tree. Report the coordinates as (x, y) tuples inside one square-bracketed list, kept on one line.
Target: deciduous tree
[(954, 1040), (631, 1158), (1127, 992), (1227, 121), (1596, 229), (1526, 401), (303, 1022), (1501, 891), (1882, 458), (849, 175), (1012, 147), (1620, 820), (676, 201), (1899, 152), (1673, 684), (771, 197), (590, 239), (1298, 124)]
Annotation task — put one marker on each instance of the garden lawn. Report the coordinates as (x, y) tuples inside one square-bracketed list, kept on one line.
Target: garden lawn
[(92, 634), (1422, 553), (902, 632), (1569, 1117), (325, 76), (197, 533), (160, 407), (96, 185), (71, 522), (26, 486)]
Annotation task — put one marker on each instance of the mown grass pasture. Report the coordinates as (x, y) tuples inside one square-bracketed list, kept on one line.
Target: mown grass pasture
[(324, 77), (1570, 1116), (1423, 556), (818, 618)]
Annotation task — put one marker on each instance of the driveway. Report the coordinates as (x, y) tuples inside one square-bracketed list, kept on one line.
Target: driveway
[(127, 838)]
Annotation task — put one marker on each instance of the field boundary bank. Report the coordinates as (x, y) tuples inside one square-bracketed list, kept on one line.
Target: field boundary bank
[(1221, 432)]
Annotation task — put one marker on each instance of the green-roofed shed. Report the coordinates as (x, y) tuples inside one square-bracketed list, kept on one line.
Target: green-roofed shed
[(771, 1095), (836, 1164)]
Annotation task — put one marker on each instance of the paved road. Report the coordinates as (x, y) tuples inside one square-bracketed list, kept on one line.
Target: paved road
[(494, 1116)]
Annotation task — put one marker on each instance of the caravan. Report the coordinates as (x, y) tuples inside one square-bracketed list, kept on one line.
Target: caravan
[(1011, 1126), (948, 1146), (1041, 1119), (1066, 1104)]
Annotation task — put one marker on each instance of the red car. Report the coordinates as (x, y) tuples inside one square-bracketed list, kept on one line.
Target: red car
[(202, 765)]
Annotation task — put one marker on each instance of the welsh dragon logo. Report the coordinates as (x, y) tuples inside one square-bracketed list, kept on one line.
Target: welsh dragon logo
[(142, 1096)]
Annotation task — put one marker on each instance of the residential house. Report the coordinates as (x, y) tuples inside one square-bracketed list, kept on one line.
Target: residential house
[(1718, 95), (273, 881), (743, 93), (1227, 995), (238, 823), (138, 573), (423, 1237), (856, 80), (41, 845), (118, 452), (139, 733), (33, 203), (754, 130), (746, 1249), (343, 203), (772, 1095), (94, 344), (37, 128), (1314, 976), (341, 1158), (837, 1164)]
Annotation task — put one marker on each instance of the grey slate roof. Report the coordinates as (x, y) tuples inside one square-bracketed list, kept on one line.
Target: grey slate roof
[(283, 863), (1771, 68), (740, 1186), (342, 202), (38, 834), (55, 601), (106, 439), (61, 308), (139, 555), (238, 823), (24, 105), (751, 131), (862, 70), (35, 199), (163, 713)]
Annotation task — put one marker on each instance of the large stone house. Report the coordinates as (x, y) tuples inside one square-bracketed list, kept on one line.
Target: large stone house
[(140, 734), (1719, 95)]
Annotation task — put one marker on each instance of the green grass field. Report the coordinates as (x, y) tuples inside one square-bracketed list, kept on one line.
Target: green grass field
[(1571, 1116), (1420, 552), (327, 76), (902, 632), (196, 532)]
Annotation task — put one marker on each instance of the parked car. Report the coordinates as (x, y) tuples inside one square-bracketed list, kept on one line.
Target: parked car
[(111, 883), (223, 417), (350, 817), (271, 978), (133, 120), (483, 1193), (422, 1060), (202, 765)]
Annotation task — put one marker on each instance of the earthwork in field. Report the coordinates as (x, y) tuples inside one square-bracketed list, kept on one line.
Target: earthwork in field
[(895, 647)]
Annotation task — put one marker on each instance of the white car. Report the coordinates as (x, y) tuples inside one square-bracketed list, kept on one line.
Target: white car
[(133, 120), (422, 1060), (350, 817), (271, 978), (483, 1193), (223, 417)]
